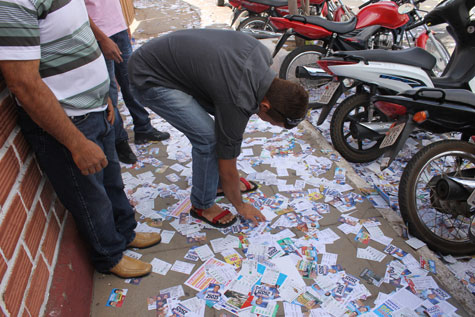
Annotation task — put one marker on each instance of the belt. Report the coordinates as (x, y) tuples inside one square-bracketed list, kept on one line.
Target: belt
[(78, 118)]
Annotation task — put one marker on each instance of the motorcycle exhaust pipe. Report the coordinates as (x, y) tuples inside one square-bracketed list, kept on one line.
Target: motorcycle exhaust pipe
[(454, 188), (313, 73), (369, 130)]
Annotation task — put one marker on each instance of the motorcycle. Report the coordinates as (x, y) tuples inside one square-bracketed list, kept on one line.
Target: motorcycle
[(357, 127), (376, 25), (437, 187), (254, 15)]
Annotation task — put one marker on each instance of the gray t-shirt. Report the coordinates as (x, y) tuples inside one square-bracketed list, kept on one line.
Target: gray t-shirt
[(227, 72)]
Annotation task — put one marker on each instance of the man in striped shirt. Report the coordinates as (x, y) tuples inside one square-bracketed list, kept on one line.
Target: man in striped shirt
[(52, 64)]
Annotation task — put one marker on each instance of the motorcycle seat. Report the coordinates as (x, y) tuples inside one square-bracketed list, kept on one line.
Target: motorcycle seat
[(274, 3), (415, 56), (460, 96), (336, 27)]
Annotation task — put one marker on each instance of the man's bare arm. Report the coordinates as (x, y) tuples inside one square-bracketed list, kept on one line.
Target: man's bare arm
[(108, 47), (229, 176), (24, 81)]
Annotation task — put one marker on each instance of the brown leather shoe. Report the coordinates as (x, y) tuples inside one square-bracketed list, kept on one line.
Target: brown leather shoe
[(129, 267), (145, 240)]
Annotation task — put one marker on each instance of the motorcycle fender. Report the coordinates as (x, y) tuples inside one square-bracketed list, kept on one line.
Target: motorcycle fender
[(393, 151), (282, 40), (236, 13), (326, 108)]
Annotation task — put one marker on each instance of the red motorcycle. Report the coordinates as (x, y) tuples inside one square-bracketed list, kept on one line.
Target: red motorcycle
[(258, 12), (377, 25)]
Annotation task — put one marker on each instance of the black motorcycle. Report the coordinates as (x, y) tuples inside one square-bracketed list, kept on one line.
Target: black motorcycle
[(437, 187)]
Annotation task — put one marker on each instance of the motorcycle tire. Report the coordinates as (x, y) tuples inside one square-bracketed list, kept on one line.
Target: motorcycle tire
[(220, 3), (256, 23), (408, 194), (304, 55), (338, 133)]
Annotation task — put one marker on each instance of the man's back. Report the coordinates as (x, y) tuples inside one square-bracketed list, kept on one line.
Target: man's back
[(216, 67)]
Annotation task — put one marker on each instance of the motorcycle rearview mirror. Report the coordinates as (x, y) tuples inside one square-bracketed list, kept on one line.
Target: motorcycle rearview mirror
[(405, 8)]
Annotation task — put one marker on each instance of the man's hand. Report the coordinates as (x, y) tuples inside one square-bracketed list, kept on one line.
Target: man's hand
[(110, 112), (24, 81), (230, 182), (249, 212), (110, 50), (89, 157)]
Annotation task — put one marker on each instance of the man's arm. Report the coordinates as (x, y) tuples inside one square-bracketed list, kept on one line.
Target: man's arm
[(24, 81), (230, 182), (108, 47)]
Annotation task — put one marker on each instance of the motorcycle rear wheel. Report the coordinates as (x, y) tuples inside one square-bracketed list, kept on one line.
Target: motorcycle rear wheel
[(256, 23), (301, 56), (355, 109), (441, 229), (220, 3)]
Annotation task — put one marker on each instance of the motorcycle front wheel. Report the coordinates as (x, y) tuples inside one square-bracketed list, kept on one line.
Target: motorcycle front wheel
[(444, 225), (302, 56), (256, 23), (345, 139)]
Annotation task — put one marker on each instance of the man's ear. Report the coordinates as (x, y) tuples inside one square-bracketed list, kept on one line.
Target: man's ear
[(265, 104)]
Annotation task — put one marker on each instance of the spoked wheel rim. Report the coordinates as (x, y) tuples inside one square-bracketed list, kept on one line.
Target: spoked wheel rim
[(355, 115), (258, 24), (448, 224), (315, 88)]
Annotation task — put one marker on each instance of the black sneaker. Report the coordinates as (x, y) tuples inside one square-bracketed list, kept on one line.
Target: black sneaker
[(155, 135), (125, 152)]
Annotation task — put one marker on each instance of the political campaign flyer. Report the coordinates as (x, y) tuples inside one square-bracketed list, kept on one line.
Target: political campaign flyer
[(212, 294), (371, 277), (396, 252), (117, 297), (199, 280)]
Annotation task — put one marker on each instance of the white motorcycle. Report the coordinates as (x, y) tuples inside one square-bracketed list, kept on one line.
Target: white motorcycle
[(357, 126)]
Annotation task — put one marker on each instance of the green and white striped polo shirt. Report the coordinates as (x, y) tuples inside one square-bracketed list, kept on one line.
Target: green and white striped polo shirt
[(57, 32)]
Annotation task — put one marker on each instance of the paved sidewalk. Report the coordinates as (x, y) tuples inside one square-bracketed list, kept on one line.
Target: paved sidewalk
[(298, 165), (284, 149)]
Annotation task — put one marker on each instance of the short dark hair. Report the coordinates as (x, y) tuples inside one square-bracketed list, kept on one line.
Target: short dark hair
[(287, 100)]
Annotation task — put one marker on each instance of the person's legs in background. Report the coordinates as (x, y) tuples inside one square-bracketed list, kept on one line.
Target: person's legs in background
[(143, 129), (125, 153)]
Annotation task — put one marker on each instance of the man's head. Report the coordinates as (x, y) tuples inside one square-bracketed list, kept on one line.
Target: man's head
[(285, 104)]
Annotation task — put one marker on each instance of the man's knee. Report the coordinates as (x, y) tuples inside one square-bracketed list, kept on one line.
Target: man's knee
[(206, 143)]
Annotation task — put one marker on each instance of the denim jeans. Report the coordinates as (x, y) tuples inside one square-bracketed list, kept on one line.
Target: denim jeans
[(119, 71), (184, 113), (101, 210)]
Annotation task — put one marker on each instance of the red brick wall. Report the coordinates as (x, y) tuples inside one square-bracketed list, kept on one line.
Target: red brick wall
[(31, 222)]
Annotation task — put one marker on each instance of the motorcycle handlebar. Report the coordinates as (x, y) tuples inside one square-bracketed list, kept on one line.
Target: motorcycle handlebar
[(415, 25), (367, 3)]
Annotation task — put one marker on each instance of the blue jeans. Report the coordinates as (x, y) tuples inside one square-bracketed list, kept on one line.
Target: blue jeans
[(184, 113), (119, 71), (100, 208)]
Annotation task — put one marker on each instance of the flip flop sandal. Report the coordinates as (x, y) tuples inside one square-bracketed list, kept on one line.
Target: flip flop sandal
[(250, 187), (198, 214)]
